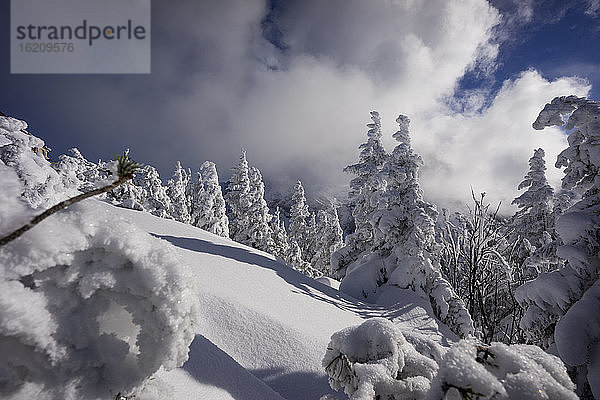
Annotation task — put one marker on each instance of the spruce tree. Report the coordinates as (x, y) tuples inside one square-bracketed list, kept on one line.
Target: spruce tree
[(78, 172), (212, 216), (195, 194), (328, 239), (281, 244), (533, 224), (176, 190), (371, 159), (259, 233), (534, 219), (298, 215), (403, 233), (238, 200)]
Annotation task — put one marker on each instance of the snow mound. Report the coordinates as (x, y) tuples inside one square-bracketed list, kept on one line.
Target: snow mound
[(374, 359), (91, 305), (499, 371)]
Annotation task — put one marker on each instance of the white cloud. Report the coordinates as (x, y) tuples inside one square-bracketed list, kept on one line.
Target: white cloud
[(213, 91), (490, 150)]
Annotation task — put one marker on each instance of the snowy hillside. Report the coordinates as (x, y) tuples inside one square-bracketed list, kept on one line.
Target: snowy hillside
[(100, 302), (263, 328)]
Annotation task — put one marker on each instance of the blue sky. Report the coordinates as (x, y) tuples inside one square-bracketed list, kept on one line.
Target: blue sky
[(293, 82)]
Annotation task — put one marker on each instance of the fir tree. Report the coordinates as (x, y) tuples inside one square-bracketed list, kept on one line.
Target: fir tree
[(238, 200), (403, 232), (328, 239), (534, 219), (195, 195), (212, 215), (298, 215), (80, 173), (294, 258), (371, 159), (281, 244), (155, 199), (259, 233), (176, 190), (249, 215), (533, 225)]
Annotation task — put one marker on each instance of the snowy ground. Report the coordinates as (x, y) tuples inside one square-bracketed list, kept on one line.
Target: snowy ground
[(263, 328)]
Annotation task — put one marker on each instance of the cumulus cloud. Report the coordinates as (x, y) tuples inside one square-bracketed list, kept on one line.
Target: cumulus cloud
[(293, 82), (490, 150)]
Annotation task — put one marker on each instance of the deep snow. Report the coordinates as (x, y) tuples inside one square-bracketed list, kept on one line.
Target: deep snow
[(263, 328)]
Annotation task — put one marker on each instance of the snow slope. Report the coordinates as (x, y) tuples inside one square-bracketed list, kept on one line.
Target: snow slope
[(263, 328)]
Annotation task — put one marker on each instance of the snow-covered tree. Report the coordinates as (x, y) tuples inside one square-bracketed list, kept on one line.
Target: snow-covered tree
[(299, 231), (209, 204), (563, 200), (327, 239), (534, 219), (295, 260), (176, 190), (403, 232), (375, 360), (249, 217), (80, 173), (311, 245), (238, 200), (562, 306), (533, 224), (259, 233), (71, 275), (155, 199), (370, 161), (25, 153), (281, 245)]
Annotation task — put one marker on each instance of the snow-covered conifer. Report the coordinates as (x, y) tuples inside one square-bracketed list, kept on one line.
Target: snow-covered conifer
[(533, 224), (312, 239), (370, 161), (80, 173), (298, 214), (403, 230), (280, 238), (249, 215), (327, 239), (534, 217), (210, 204), (259, 233), (25, 153), (176, 190), (154, 199), (237, 198), (562, 305)]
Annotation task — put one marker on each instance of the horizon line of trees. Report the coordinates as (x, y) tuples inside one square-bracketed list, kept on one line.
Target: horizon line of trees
[(241, 214)]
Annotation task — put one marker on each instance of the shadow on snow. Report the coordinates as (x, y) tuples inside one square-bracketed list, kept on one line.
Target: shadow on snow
[(304, 284)]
